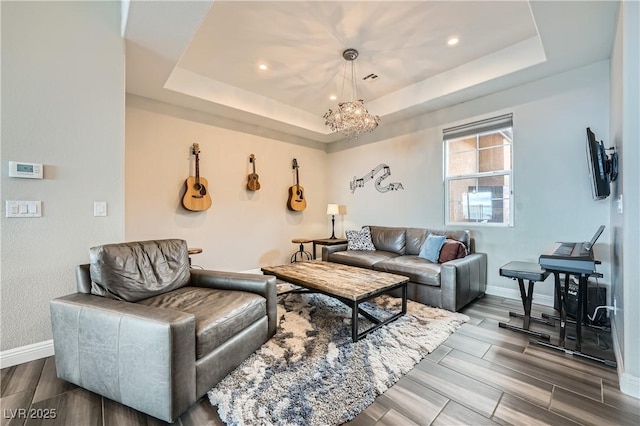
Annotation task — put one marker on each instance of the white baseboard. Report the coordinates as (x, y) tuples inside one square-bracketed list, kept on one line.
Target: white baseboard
[(514, 293), (629, 385), (27, 353)]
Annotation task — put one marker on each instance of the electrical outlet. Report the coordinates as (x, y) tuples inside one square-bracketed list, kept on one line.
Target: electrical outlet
[(619, 202)]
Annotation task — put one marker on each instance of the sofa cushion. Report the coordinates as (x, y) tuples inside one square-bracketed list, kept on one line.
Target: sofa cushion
[(220, 314), (431, 248), (414, 239), (418, 270), (362, 259), (452, 250), (138, 270), (388, 239), (360, 239)]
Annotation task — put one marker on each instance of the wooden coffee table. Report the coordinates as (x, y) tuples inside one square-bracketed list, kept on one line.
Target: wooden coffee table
[(349, 284)]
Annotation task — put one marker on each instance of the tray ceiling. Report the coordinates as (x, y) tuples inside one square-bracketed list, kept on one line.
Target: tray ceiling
[(205, 55)]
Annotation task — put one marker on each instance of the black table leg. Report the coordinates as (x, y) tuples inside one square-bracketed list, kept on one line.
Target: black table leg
[(404, 299), (354, 321)]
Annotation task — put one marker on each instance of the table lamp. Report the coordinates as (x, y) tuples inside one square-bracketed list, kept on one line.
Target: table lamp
[(333, 210)]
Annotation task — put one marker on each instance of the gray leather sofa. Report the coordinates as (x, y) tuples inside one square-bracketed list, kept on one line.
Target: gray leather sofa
[(147, 331), (450, 285)]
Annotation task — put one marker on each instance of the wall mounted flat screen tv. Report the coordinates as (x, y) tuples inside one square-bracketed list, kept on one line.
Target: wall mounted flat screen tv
[(602, 169)]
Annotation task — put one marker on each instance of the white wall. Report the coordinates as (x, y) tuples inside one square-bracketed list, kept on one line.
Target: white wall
[(62, 106), (552, 188), (243, 230), (625, 136)]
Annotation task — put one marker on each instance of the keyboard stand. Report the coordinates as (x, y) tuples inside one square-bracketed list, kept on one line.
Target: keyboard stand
[(581, 316)]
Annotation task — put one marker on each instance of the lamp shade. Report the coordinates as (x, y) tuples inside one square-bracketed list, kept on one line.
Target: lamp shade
[(333, 209)]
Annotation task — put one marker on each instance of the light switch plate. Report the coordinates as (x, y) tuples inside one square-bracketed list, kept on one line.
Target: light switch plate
[(99, 208), (24, 208)]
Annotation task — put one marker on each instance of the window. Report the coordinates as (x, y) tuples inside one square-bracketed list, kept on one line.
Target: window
[(478, 172)]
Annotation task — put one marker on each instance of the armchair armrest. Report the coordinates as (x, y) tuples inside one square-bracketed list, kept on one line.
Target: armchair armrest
[(140, 356), (264, 285), (327, 250)]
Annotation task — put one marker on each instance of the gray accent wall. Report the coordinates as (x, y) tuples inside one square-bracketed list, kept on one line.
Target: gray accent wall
[(62, 106)]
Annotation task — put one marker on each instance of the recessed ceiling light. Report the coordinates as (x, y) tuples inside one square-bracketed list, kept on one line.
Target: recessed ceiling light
[(453, 41), (333, 97), (263, 67)]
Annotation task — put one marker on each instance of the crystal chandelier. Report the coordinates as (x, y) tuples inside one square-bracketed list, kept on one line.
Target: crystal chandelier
[(351, 118)]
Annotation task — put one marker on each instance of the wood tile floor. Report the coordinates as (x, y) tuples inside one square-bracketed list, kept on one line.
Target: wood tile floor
[(481, 375)]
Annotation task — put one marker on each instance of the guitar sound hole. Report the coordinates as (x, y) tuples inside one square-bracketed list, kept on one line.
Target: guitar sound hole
[(200, 188)]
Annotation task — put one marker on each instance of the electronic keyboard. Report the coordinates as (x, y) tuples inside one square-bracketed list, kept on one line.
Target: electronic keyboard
[(571, 257)]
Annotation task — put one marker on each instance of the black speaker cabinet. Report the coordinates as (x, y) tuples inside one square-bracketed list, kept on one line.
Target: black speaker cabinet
[(596, 296)]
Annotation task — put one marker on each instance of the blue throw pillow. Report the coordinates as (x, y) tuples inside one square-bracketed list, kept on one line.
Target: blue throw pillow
[(431, 248)]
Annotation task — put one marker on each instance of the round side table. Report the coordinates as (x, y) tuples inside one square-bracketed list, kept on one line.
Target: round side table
[(193, 250)]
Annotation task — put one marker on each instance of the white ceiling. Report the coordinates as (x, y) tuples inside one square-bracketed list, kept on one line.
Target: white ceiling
[(204, 55)]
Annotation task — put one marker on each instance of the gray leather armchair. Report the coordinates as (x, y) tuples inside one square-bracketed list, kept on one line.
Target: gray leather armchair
[(147, 331)]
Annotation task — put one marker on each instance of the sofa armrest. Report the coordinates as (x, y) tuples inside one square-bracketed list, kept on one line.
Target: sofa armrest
[(264, 285), (327, 250), (463, 280), (141, 356)]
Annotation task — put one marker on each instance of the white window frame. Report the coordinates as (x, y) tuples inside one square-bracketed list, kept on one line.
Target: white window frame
[(478, 129)]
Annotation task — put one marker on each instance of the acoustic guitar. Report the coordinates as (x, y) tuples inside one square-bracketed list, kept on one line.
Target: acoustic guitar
[(196, 197), (296, 201), (252, 179)]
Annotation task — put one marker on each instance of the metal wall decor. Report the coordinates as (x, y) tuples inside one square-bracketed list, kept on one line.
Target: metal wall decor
[(359, 183)]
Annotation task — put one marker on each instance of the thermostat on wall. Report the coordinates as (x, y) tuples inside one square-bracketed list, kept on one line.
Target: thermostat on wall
[(21, 169)]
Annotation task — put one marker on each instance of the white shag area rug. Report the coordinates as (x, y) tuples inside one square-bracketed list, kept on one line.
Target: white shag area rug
[(311, 372)]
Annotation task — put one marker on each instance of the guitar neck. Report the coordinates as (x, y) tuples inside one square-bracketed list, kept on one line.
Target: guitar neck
[(197, 169)]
